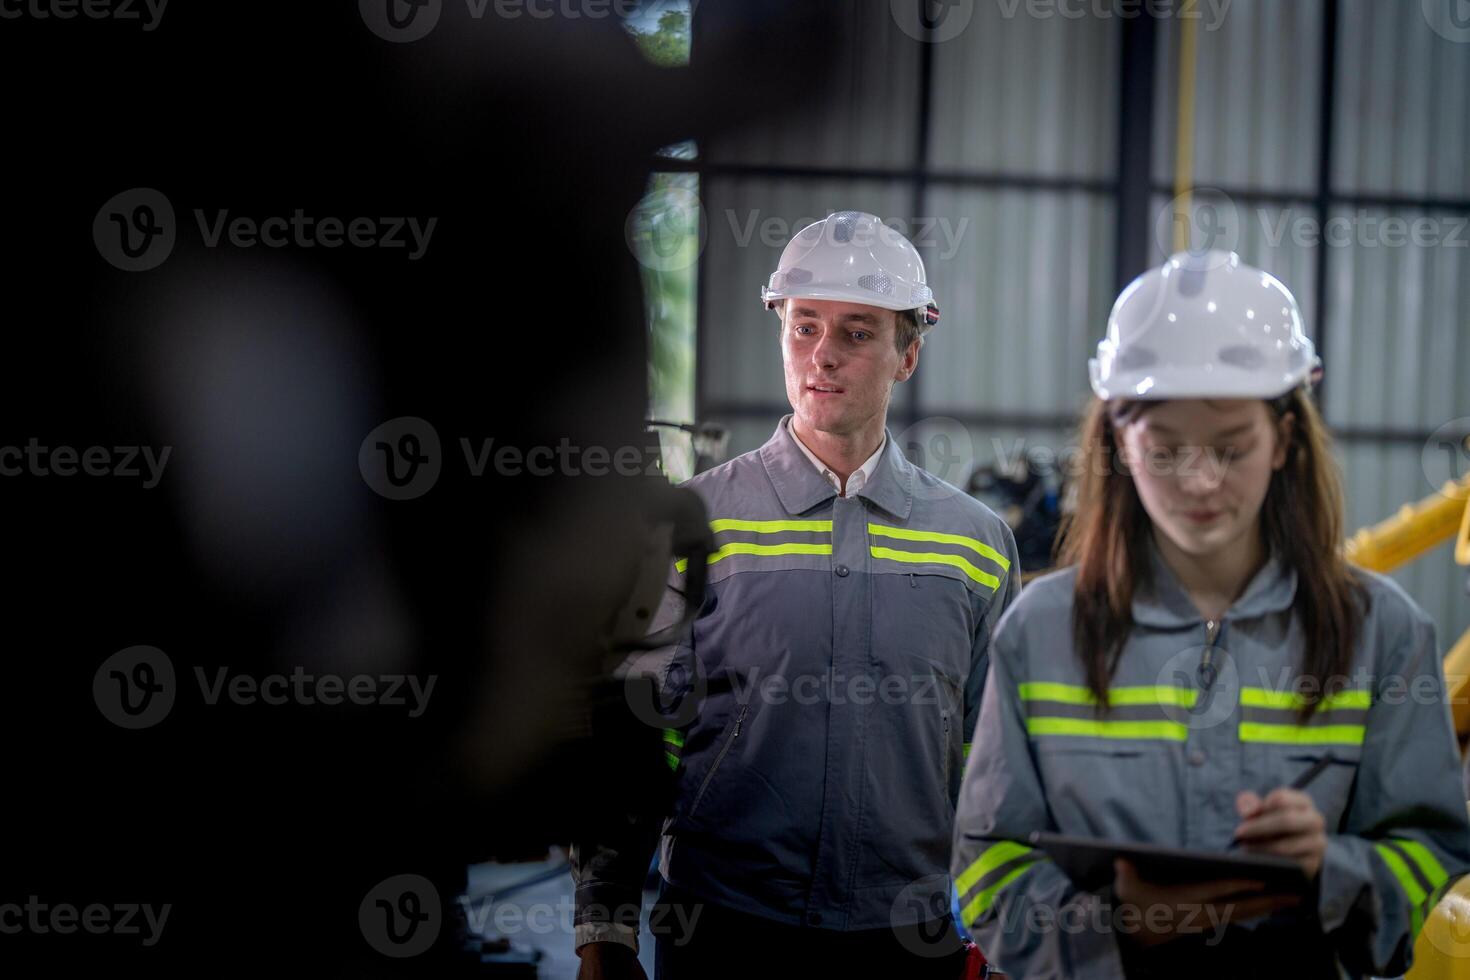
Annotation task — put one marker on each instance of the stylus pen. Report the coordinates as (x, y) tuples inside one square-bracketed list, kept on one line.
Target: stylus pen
[(1302, 781)]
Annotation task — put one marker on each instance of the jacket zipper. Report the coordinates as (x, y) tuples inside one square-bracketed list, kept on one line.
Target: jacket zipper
[(1207, 669), (719, 759), (946, 752)]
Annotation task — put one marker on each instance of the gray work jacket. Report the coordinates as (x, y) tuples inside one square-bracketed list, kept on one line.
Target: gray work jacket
[(1164, 765), (838, 664)]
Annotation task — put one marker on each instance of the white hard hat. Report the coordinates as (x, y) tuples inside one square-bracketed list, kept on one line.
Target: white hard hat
[(853, 256), (1203, 325)]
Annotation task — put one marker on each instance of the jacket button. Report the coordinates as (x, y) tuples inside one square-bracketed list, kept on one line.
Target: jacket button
[(842, 570), (1196, 758), (814, 918)]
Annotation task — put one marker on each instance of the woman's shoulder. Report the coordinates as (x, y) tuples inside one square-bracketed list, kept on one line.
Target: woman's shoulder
[(1045, 601), (1388, 609)]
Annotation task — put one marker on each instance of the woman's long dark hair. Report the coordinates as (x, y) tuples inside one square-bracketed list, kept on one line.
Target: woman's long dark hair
[(1301, 520)]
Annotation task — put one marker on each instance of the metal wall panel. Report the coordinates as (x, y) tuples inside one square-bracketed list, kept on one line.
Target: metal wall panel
[(1023, 300), (1403, 126), (1398, 322), (867, 115), (1257, 94), (1034, 96)]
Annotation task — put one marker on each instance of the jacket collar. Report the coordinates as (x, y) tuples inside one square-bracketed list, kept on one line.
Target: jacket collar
[(800, 487), (1162, 601)]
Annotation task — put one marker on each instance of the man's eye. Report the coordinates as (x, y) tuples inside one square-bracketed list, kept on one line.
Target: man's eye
[(860, 335)]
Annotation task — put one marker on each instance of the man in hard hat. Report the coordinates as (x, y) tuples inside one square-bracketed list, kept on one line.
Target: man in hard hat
[(836, 666)]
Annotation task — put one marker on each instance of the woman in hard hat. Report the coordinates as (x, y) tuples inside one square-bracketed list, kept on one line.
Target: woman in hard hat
[(1204, 646)]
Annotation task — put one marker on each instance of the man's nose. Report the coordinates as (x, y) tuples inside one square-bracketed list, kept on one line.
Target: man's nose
[(825, 352)]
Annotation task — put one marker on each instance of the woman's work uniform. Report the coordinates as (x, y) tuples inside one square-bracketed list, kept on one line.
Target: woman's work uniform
[(1200, 711)]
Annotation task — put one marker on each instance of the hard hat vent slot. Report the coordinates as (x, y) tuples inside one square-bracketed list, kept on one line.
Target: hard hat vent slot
[(1135, 357), (843, 225), (1238, 355), (796, 277), (1191, 282), (878, 283)]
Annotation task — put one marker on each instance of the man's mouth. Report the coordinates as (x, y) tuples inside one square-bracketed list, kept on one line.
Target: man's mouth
[(824, 389)]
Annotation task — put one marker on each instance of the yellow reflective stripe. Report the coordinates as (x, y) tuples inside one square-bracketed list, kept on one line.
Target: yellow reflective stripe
[(1429, 865), (768, 527), (1252, 731), (673, 737), (1169, 730), (991, 858), (1261, 697), (908, 534), (1407, 882), (967, 751), (981, 903), (1075, 694), (747, 548), (672, 760), (923, 557)]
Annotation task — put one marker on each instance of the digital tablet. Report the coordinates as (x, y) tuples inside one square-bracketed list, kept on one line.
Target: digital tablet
[(1088, 861)]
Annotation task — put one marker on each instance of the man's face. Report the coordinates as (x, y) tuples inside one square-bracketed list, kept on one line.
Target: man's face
[(1202, 468), (841, 363)]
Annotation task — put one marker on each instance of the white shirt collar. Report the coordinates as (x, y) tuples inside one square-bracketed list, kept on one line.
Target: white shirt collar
[(859, 477)]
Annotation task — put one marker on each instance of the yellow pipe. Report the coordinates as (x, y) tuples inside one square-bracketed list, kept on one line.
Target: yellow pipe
[(1412, 531), (1462, 546), (1457, 682), (1184, 130)]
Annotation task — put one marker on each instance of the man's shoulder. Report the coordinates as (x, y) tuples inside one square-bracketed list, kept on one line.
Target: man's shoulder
[(743, 473), (935, 501)]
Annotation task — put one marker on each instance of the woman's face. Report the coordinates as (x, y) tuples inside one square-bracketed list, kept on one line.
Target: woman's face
[(1202, 467)]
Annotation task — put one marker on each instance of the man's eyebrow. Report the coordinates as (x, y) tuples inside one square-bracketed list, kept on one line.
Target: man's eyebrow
[(867, 318)]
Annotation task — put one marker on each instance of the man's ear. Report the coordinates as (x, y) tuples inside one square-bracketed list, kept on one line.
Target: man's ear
[(1285, 432), (909, 362)]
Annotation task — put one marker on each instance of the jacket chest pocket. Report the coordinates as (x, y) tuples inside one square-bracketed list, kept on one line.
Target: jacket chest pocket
[(1101, 789), (923, 624)]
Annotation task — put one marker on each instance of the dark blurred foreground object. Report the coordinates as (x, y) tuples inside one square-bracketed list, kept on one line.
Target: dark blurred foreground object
[(263, 551)]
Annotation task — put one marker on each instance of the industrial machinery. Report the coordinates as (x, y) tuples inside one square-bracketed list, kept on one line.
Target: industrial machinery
[(1442, 950)]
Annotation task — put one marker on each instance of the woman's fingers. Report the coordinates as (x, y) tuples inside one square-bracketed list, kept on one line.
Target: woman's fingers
[(1288, 819)]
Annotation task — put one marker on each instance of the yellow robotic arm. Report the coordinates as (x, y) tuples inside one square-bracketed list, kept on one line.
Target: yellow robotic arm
[(1415, 529), (1442, 951)]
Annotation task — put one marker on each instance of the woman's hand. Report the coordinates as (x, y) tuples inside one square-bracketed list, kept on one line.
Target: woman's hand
[(1165, 912), (1287, 823)]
